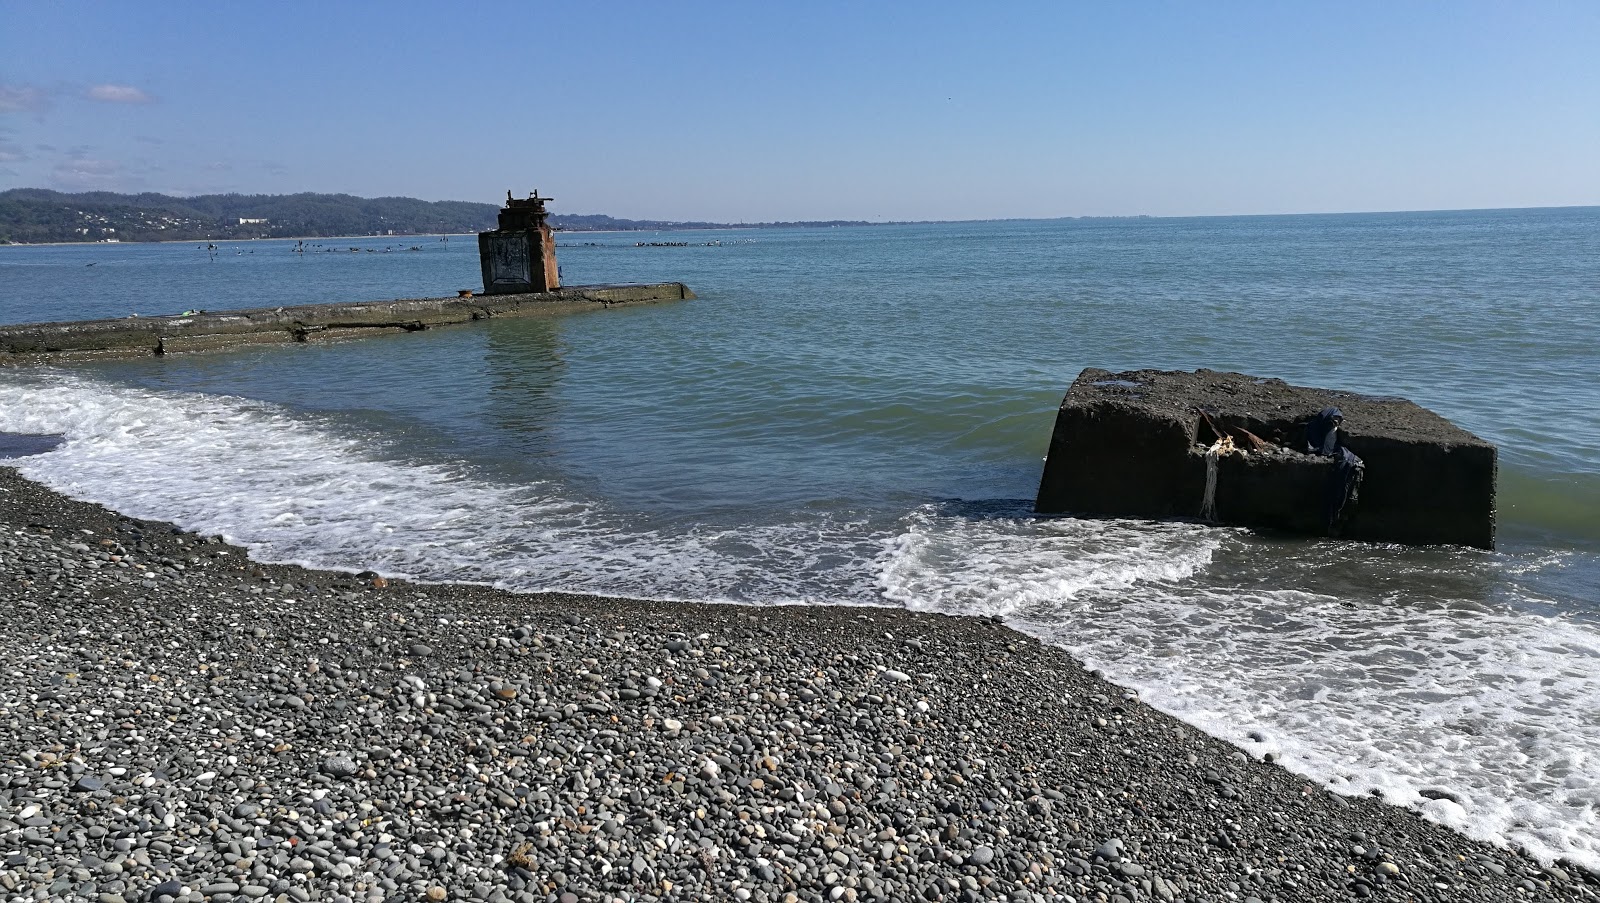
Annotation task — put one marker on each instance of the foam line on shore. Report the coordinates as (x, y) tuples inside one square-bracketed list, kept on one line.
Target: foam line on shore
[(293, 490), (686, 750), (1481, 716)]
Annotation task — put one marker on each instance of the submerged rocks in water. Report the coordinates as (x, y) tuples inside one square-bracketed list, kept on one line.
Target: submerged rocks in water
[(1135, 444)]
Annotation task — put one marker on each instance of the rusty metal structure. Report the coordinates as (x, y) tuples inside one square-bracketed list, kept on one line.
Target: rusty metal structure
[(519, 257)]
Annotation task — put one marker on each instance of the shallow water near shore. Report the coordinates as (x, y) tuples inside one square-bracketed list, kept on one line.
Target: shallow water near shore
[(858, 416)]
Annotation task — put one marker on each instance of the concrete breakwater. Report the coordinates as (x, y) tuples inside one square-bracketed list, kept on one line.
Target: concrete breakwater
[(1228, 448), (206, 330)]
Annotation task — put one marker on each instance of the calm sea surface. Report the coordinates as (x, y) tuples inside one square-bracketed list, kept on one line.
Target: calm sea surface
[(858, 416)]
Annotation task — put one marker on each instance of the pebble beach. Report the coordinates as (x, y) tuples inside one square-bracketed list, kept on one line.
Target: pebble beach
[(181, 723)]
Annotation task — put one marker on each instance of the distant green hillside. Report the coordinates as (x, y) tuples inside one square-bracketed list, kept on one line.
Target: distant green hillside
[(39, 216)]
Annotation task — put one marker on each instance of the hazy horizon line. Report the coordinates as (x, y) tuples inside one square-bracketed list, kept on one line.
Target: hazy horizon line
[(869, 220)]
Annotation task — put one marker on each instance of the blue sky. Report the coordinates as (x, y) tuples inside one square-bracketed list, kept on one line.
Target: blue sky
[(757, 111)]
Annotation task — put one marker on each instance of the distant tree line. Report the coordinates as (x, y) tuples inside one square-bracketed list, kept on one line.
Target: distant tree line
[(38, 215), (41, 216)]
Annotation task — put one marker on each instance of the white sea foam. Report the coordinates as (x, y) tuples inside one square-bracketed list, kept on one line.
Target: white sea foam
[(1491, 708), (295, 491), (1495, 712)]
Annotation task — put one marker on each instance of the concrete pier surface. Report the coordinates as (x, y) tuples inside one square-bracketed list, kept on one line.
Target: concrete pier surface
[(1136, 444), (209, 330)]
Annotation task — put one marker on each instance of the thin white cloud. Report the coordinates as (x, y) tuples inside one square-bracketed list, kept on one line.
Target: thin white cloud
[(85, 174), (10, 151), (118, 94), (23, 98)]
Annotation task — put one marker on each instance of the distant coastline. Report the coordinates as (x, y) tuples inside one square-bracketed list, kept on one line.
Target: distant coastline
[(36, 216), (190, 241)]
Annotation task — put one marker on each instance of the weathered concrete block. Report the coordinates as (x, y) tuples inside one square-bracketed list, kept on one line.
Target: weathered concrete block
[(180, 344), (47, 338), (629, 292), (341, 333), (1134, 445)]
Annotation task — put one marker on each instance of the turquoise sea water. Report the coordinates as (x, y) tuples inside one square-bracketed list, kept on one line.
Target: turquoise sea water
[(859, 416)]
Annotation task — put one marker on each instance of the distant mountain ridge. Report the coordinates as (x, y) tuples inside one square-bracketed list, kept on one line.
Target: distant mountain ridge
[(42, 216)]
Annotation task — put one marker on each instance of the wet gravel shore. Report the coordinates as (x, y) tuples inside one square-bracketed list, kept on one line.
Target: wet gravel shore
[(180, 723)]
